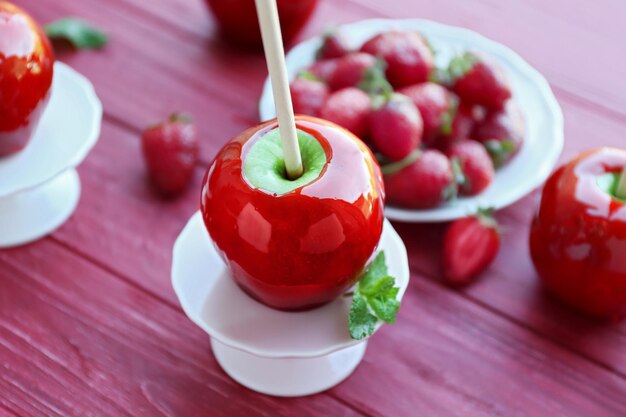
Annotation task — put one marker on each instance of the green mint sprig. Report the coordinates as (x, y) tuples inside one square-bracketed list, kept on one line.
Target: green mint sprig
[(80, 34), (374, 299)]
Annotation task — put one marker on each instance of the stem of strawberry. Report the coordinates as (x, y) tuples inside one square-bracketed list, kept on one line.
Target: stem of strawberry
[(620, 190)]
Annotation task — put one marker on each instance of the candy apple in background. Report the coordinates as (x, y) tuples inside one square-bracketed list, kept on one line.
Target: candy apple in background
[(26, 66), (237, 19), (294, 244), (578, 236)]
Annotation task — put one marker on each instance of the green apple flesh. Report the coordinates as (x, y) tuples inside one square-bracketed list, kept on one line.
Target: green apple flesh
[(264, 166)]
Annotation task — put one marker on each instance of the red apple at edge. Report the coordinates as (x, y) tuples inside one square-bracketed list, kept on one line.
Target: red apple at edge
[(26, 62), (239, 24), (294, 245), (578, 236)]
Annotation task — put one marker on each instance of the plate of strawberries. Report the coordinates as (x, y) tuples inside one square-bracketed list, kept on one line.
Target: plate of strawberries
[(456, 121)]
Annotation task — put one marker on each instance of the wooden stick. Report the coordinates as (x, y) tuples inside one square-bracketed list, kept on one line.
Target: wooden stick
[(275, 57), (620, 190)]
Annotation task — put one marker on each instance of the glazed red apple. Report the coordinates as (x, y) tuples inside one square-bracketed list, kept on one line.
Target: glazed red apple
[(238, 22), (26, 62), (294, 244), (578, 236)]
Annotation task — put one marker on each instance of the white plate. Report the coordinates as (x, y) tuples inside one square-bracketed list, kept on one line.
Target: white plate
[(544, 120), (214, 302), (68, 129)]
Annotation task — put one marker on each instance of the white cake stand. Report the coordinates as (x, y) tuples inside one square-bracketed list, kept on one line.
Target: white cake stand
[(39, 186), (270, 351)]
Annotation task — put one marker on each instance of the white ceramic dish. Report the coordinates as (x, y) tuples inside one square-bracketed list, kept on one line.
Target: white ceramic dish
[(270, 351), (39, 188), (544, 119)]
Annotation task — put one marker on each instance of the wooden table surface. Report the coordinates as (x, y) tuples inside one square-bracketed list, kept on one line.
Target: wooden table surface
[(90, 326)]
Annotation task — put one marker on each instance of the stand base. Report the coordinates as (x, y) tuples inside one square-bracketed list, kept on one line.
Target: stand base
[(288, 377), (34, 213)]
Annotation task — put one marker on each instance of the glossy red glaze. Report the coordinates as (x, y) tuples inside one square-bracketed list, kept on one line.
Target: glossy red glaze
[(238, 20), (578, 237), (304, 248), (26, 62)]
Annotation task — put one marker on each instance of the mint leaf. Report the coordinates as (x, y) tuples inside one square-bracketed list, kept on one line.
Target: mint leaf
[(79, 33), (361, 321), (374, 299)]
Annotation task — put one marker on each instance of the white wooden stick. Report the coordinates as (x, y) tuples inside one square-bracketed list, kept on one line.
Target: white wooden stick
[(275, 57)]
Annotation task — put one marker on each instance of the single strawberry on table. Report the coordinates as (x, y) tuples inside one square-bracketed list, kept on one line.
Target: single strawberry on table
[(502, 133), (436, 105), (407, 54), (469, 246), (334, 45), (350, 70), (171, 150), (308, 94), (423, 180), (475, 165), (350, 109), (396, 126), (478, 79)]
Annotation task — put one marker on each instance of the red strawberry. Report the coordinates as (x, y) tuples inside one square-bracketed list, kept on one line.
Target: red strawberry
[(170, 150), (334, 45), (407, 54), (502, 133), (457, 124), (435, 104), (396, 127), (469, 246), (349, 108), (350, 70), (422, 180), (475, 165), (308, 96), (477, 79), (322, 70)]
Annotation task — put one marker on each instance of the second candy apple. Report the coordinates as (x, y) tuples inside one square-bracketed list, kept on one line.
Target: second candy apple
[(294, 244)]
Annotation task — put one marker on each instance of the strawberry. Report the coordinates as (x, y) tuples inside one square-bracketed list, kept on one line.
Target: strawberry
[(334, 45), (350, 70), (170, 150), (477, 79), (422, 180), (407, 54), (322, 70), (458, 123), (435, 104), (350, 108), (502, 133), (308, 95), (469, 246), (474, 163), (395, 126)]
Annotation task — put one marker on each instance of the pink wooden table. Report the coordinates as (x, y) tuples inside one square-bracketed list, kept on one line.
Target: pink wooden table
[(90, 326)]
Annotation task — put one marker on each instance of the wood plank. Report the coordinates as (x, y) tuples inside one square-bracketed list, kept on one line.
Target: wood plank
[(80, 341), (75, 341)]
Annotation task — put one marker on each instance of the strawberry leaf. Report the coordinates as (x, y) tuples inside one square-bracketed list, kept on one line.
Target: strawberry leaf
[(374, 299), (375, 83), (460, 65), (80, 34), (391, 168), (500, 150)]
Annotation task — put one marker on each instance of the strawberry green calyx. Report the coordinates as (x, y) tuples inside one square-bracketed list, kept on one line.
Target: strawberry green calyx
[(307, 75), (375, 83), (393, 167), (81, 34), (485, 215), (461, 64), (499, 150), (374, 300), (182, 118), (447, 118)]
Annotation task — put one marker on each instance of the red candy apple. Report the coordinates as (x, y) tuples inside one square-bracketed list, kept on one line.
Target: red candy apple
[(26, 62), (238, 20), (578, 236), (294, 244)]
